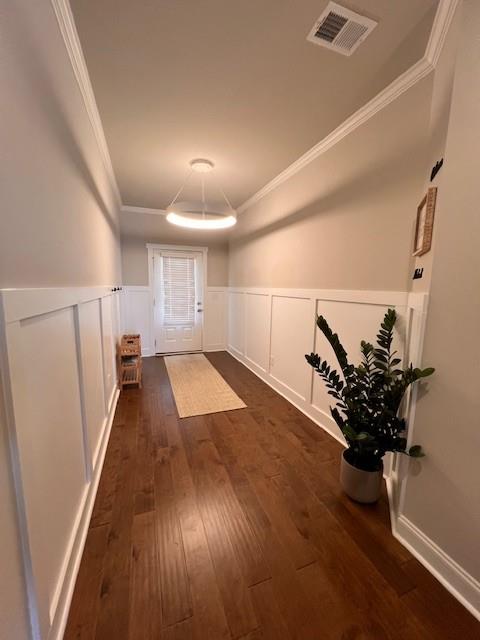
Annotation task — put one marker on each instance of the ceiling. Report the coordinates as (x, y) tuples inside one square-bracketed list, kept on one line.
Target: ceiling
[(236, 82)]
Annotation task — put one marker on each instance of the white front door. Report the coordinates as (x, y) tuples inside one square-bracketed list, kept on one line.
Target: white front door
[(178, 301)]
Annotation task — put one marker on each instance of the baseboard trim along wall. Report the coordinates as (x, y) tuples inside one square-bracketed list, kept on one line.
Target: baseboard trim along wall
[(453, 577), (61, 392), (270, 330)]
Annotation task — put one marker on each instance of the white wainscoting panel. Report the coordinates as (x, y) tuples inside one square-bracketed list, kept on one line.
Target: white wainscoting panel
[(353, 322), (236, 322), (271, 330), (44, 376), (109, 372), (215, 319), (292, 330), (90, 336), (58, 361), (257, 329), (136, 313)]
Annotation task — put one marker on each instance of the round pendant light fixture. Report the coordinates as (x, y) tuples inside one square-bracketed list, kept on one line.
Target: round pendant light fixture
[(198, 214)]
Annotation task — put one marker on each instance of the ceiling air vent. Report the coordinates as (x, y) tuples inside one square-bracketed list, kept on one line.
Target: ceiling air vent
[(340, 29)]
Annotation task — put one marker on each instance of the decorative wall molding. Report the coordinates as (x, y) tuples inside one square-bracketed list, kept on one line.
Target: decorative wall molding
[(418, 71), (216, 318), (443, 18), (19, 304), (66, 22), (454, 578), (57, 360), (135, 306), (59, 614), (441, 24), (270, 330)]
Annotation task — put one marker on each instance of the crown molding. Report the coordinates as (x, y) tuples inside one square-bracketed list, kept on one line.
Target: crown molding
[(418, 71), (441, 24), (154, 212), (71, 40), (443, 18)]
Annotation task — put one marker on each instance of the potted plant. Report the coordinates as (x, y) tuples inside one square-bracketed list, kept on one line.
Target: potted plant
[(368, 399)]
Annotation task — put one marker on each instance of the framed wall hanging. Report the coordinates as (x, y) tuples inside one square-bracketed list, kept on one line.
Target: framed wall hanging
[(424, 226)]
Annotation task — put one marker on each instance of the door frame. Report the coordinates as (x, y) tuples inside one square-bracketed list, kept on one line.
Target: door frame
[(151, 248)]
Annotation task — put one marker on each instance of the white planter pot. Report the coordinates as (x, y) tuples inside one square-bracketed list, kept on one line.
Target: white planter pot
[(361, 486)]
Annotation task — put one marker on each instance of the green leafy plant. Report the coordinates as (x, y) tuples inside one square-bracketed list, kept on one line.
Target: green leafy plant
[(368, 396)]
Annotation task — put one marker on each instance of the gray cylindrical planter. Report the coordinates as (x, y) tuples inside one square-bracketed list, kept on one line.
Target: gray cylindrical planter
[(361, 486)]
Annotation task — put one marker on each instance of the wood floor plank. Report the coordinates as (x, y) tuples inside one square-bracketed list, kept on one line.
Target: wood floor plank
[(102, 509), (208, 612), (181, 631), (451, 621), (244, 426), (145, 600), (247, 550), (234, 525), (349, 571), (175, 587), (203, 458), (298, 547), (157, 419), (113, 617), (82, 619), (299, 612), (378, 555), (341, 617), (268, 612), (144, 475)]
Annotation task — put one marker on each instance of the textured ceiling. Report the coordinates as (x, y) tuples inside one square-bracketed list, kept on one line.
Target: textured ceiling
[(236, 82)]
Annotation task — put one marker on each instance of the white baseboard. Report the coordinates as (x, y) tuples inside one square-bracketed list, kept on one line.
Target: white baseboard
[(212, 348), (453, 577), (314, 414), (64, 598)]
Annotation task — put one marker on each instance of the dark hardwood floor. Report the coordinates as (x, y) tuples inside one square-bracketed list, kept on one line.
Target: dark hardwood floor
[(232, 525)]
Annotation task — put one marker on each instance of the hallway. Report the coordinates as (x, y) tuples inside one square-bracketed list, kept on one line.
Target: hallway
[(233, 525)]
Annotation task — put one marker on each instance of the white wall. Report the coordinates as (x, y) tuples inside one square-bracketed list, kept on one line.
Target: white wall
[(14, 621), (138, 229), (442, 500), (346, 220), (59, 368), (59, 210)]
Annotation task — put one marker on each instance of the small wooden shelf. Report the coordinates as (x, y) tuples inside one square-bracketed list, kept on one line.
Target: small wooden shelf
[(129, 356)]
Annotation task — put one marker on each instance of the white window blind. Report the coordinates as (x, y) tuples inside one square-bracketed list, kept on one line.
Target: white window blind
[(178, 277)]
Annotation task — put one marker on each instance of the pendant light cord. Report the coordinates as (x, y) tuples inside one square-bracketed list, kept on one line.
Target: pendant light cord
[(204, 203), (181, 189)]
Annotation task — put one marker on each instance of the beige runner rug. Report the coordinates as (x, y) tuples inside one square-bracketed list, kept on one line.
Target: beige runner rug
[(198, 388)]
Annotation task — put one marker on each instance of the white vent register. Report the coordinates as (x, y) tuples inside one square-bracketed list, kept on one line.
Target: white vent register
[(340, 29)]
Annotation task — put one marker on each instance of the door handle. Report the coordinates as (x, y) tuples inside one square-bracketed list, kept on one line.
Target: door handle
[(199, 310)]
